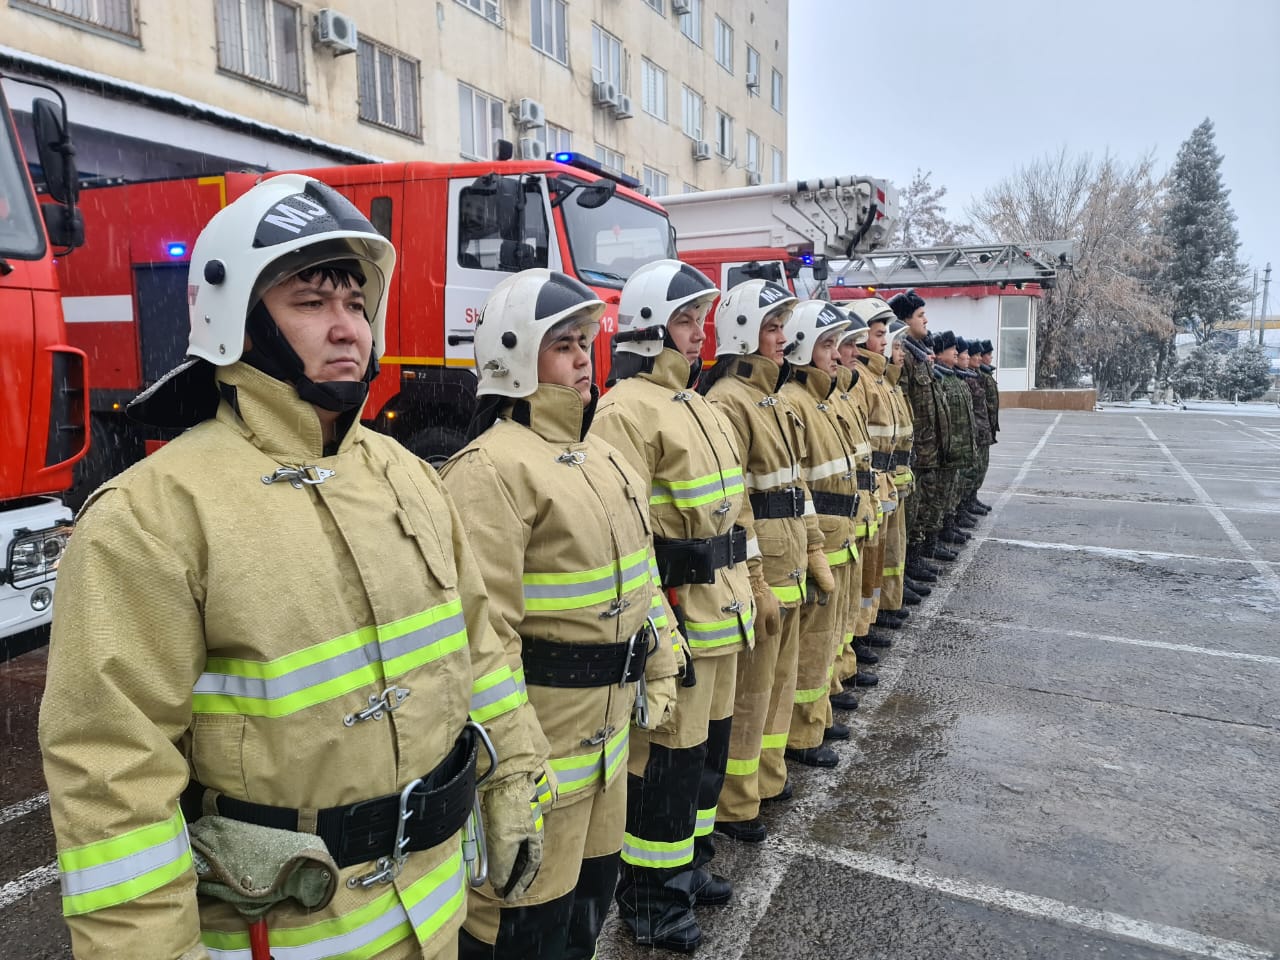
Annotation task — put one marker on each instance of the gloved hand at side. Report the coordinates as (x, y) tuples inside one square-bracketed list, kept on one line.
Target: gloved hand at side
[(766, 605), (513, 834), (660, 698), (820, 569)]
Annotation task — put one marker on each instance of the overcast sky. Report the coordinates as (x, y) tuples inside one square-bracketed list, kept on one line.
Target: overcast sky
[(972, 91)]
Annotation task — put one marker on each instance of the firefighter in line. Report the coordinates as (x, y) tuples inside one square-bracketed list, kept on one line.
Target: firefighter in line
[(962, 448), (895, 592), (830, 470), (930, 443), (784, 544), (855, 656), (559, 523), (967, 354), (687, 459), (281, 629)]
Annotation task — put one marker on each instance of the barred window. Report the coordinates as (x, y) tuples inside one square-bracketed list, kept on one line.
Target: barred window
[(117, 16), (259, 39), (388, 87)]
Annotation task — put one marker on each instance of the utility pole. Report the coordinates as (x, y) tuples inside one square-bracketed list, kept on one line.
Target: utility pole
[(1262, 318), (1253, 308)]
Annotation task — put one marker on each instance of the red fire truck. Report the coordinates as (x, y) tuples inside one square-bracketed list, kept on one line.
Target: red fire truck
[(43, 419), (459, 229)]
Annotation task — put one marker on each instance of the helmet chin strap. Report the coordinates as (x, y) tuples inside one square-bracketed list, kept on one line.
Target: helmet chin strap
[(273, 355)]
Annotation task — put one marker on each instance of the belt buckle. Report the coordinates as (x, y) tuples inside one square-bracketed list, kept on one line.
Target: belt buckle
[(387, 868)]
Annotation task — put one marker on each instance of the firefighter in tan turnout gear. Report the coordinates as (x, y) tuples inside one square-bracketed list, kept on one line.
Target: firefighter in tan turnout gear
[(784, 543), (274, 628), (829, 467), (559, 522), (689, 461)]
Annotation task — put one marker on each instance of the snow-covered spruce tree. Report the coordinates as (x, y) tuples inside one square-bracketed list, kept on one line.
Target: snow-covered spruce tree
[(922, 222), (1202, 278)]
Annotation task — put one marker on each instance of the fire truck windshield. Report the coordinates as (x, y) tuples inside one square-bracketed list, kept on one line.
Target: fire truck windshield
[(20, 233), (611, 241)]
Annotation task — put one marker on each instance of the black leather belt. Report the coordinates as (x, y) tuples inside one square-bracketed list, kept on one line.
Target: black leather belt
[(902, 458), (366, 830), (551, 663), (779, 503), (696, 561), (881, 461), (866, 480), (835, 504)]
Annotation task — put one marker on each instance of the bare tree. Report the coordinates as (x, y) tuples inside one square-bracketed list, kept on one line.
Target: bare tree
[(921, 219), (1103, 317)]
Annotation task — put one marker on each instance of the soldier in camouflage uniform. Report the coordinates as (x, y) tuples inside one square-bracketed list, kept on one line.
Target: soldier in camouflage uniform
[(967, 352), (987, 373), (963, 451)]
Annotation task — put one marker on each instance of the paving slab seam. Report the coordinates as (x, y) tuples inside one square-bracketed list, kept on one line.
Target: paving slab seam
[(1229, 528), (806, 809), (1038, 907), (1159, 503), (1243, 430), (1109, 638), (28, 883), (1126, 554), (24, 807)]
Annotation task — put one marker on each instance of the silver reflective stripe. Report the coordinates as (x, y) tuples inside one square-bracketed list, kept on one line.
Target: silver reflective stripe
[(435, 901), (423, 636), (485, 698), (809, 511), (698, 634), (705, 823), (341, 945), (567, 591), (663, 493), (767, 481), (295, 681), (656, 858), (90, 879), (831, 468), (613, 755)]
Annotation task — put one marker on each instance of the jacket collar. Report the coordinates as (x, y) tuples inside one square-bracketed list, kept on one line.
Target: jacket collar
[(845, 379), (987, 368), (271, 413), (892, 372), (918, 349), (876, 361), (554, 413), (818, 383), (761, 372), (670, 369), (942, 370), (966, 372)]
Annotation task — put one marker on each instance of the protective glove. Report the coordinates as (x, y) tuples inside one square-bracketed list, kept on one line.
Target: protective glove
[(660, 698), (512, 833), (766, 606), (820, 569)]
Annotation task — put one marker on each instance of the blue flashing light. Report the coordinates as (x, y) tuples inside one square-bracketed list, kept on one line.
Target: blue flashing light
[(562, 157), (807, 259), (176, 250)]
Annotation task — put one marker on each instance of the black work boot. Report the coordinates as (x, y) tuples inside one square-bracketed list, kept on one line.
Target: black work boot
[(965, 520), (916, 569), (888, 621), (711, 889), (878, 641), (813, 756), (984, 506), (910, 597), (837, 731), (864, 678), (865, 655), (937, 550), (918, 587), (848, 700), (748, 831), (657, 905)]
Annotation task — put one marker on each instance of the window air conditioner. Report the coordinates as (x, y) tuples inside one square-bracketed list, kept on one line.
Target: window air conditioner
[(753, 81), (530, 113), (531, 148), (336, 31), (701, 150), (753, 178), (604, 93), (680, 7), (623, 110)]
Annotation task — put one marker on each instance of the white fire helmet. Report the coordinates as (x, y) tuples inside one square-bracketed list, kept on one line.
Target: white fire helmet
[(522, 309), (652, 296), (810, 321), (742, 313), (282, 226), (866, 312)]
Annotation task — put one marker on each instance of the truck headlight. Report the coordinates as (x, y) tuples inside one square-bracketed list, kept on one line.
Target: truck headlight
[(34, 556)]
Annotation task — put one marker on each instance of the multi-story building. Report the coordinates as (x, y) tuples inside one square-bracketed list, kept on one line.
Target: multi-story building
[(681, 94)]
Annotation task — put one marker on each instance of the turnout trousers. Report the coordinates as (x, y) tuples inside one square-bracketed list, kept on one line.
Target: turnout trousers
[(674, 778), (766, 686), (895, 555), (846, 662), (822, 631), (562, 913)]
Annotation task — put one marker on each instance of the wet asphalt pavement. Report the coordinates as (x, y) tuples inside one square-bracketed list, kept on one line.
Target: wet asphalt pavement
[(1074, 750)]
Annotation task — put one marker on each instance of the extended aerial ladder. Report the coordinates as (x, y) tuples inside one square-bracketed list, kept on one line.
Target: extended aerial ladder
[(987, 264)]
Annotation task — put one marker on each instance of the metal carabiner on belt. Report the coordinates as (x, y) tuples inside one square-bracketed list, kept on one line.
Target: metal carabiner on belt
[(474, 851), (642, 689)]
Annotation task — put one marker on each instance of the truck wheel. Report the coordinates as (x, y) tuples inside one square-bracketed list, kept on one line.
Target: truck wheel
[(113, 447), (436, 444)]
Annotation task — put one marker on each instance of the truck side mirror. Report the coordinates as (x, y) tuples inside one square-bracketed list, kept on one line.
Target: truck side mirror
[(597, 195), (64, 224), (820, 269), (56, 152)]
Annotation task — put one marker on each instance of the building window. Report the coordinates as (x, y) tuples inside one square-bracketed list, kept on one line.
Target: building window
[(777, 165), (690, 188), (1015, 333), (724, 135), (776, 97), (659, 5), (481, 122), (753, 71), (724, 45), (611, 159), (486, 8), (655, 182), (606, 57), (547, 27), (691, 22), (115, 16), (259, 39), (753, 152), (691, 113), (559, 140), (653, 95), (388, 88)]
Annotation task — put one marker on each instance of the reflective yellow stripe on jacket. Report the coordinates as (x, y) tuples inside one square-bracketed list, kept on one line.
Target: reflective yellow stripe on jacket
[(686, 494), (495, 693), (719, 633), (587, 769), (317, 674), (422, 909), (120, 869), (584, 588)]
